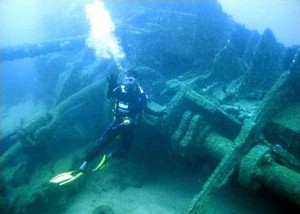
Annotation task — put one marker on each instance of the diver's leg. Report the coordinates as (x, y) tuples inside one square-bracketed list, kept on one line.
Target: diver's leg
[(111, 132), (127, 134)]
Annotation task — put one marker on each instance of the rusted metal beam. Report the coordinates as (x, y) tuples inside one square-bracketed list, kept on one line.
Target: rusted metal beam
[(34, 50), (244, 142)]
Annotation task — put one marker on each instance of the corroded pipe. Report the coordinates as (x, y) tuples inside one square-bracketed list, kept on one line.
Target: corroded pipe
[(33, 50), (217, 146), (280, 179), (257, 168)]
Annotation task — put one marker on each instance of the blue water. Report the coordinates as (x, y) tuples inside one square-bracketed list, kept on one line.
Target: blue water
[(53, 53)]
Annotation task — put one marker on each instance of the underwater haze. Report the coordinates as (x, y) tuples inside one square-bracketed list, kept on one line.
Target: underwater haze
[(280, 16), (141, 107)]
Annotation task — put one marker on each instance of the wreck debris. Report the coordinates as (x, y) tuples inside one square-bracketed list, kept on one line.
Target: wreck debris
[(244, 141), (265, 67), (258, 169), (212, 109), (40, 129), (196, 119), (33, 50), (285, 157)]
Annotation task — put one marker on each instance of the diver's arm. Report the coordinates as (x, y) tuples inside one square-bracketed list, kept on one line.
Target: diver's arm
[(154, 113), (147, 110), (112, 85), (111, 92)]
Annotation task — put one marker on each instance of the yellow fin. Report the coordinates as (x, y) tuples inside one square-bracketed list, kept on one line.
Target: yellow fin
[(62, 177), (72, 179), (102, 164)]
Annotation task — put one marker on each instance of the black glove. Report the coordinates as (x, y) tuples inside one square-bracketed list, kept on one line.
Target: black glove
[(112, 80), (112, 83)]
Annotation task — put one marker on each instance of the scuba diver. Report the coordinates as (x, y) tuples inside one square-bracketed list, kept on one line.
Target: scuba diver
[(131, 101)]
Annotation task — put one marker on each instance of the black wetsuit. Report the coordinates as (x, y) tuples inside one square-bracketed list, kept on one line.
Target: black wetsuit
[(128, 108)]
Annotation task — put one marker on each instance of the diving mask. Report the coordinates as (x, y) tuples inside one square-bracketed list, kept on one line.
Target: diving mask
[(129, 82)]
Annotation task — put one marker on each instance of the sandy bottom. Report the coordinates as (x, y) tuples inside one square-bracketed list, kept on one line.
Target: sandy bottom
[(143, 187), (133, 187), (173, 194), (159, 198), (164, 191)]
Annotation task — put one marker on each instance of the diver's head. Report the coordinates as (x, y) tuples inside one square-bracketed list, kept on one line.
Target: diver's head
[(131, 73), (130, 83)]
